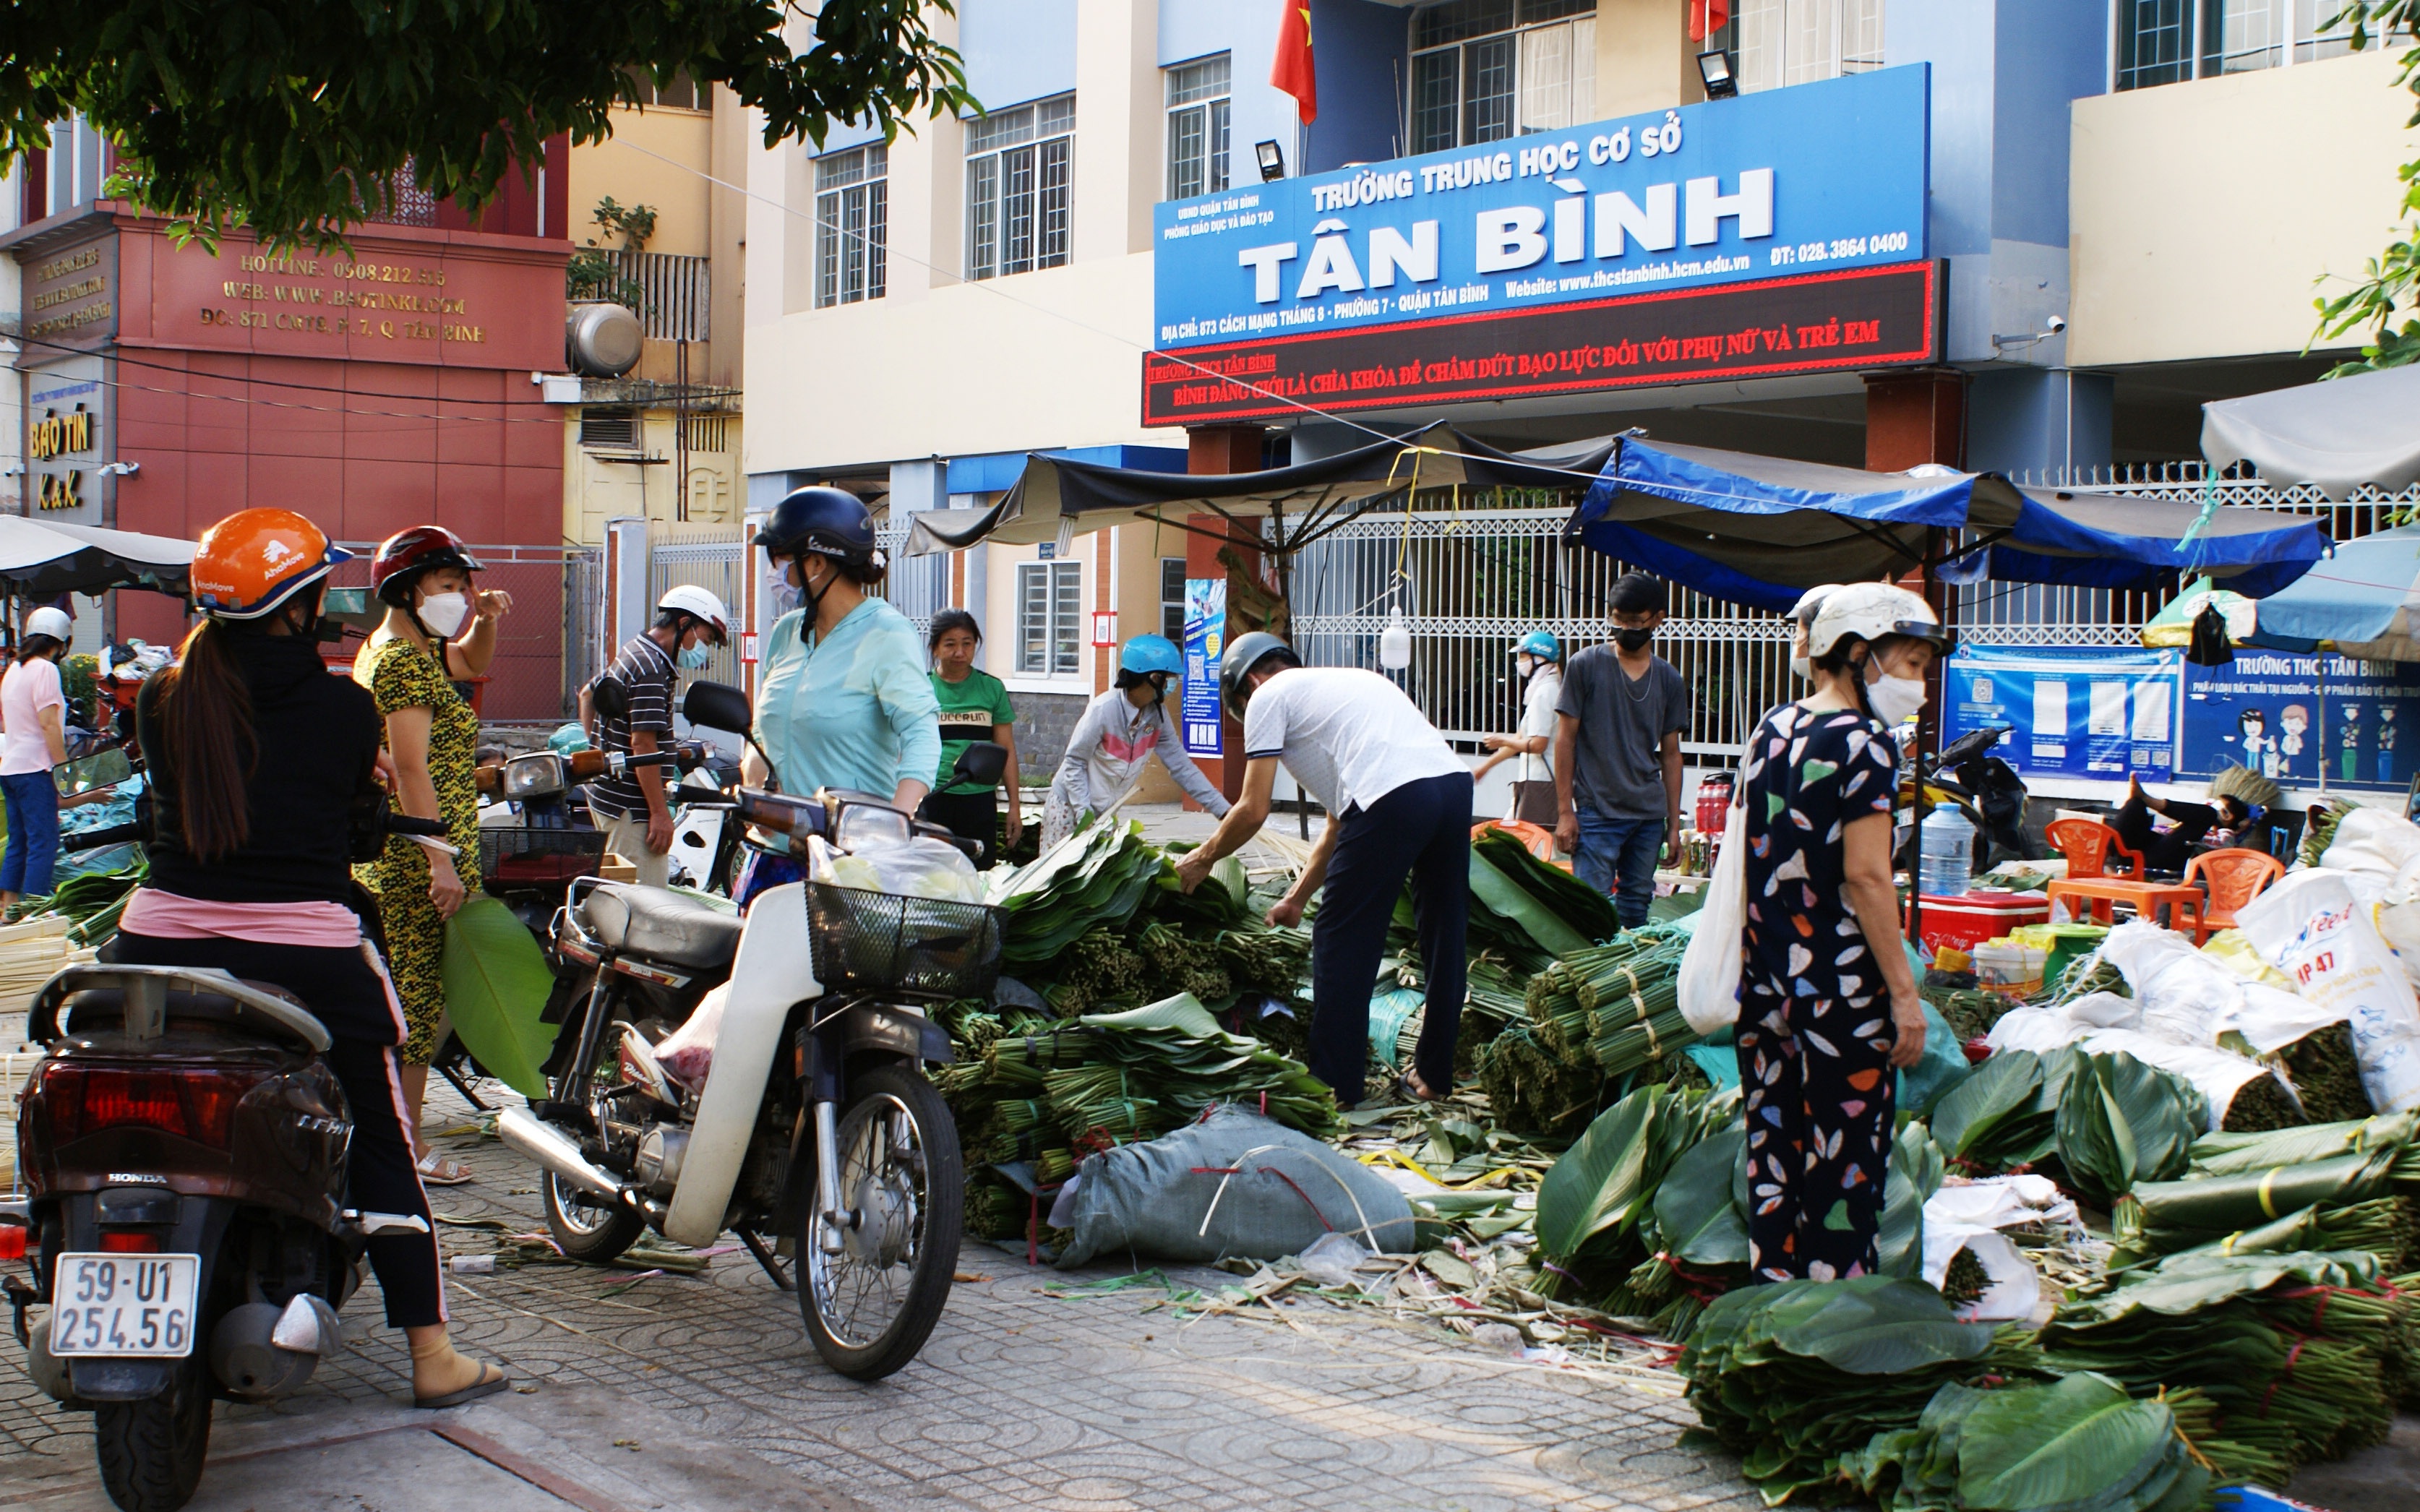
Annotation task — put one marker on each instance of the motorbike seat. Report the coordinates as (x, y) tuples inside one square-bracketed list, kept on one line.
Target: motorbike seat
[(662, 926)]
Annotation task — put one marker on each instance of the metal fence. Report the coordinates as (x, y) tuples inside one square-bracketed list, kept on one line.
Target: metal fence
[(548, 645), (678, 292), (715, 558), (917, 587)]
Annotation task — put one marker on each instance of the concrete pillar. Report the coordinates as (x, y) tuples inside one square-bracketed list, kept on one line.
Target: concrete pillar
[(2051, 423), (626, 582), (1914, 418), (1213, 450), (1119, 109), (1644, 58)]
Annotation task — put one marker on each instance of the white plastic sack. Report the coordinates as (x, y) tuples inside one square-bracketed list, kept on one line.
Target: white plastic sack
[(2375, 844), (688, 1052), (2313, 928), (2271, 1020), (2219, 1073), (2103, 1010), (2182, 994), (1710, 969), (1969, 1215), (2041, 1030)]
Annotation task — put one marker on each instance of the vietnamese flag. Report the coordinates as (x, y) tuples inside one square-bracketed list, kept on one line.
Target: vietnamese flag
[(1292, 72), (1706, 17)]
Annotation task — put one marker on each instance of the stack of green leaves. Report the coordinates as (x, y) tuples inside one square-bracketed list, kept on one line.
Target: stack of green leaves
[(1560, 998), (2120, 1121), (2079, 1443), (2005, 1114), (1596, 1199), (1588, 912), (2289, 1348), (1796, 1376), (2326, 1074), (2213, 1207), (1099, 875), (1635, 1010), (1534, 1091), (2237, 1463)]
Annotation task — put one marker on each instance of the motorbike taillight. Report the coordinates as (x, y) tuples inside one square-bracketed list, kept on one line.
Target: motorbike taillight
[(195, 1103), (129, 1241)]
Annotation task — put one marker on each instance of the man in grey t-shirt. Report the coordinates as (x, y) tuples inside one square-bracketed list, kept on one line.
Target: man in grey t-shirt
[(1617, 753)]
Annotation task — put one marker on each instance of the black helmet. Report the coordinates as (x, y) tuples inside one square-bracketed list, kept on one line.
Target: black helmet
[(1237, 660), (830, 523)]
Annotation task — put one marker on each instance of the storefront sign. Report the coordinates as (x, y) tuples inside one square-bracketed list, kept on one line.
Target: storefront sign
[(71, 297), (2098, 713), (1821, 176), (1205, 635), (2308, 721), (1807, 323), (67, 426)]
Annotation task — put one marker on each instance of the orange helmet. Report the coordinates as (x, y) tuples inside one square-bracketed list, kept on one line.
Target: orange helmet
[(255, 560)]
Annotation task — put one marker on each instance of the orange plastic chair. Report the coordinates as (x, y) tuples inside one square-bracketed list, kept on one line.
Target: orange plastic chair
[(1536, 840), (2087, 845), (2236, 876)]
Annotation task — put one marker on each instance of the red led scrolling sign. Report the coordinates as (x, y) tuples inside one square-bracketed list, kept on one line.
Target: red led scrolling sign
[(1807, 323)]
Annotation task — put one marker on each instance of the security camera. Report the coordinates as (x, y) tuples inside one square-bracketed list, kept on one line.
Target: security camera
[(2056, 323)]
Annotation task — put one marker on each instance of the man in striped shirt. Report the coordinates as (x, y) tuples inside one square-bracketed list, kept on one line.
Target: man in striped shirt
[(633, 809)]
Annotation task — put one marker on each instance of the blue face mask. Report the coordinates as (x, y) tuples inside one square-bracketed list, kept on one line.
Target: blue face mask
[(694, 658)]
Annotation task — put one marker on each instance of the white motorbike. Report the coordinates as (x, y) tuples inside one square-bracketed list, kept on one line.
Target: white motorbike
[(812, 1134)]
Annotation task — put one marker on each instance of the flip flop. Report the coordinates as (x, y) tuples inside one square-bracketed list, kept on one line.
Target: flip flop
[(436, 1170), (1404, 1084), (484, 1386)]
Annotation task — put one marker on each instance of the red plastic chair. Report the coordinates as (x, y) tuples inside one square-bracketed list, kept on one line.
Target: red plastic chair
[(1537, 840), (2235, 876), (2088, 844)]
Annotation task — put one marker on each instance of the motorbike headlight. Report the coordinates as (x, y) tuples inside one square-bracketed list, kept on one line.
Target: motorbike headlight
[(863, 825), (536, 776)]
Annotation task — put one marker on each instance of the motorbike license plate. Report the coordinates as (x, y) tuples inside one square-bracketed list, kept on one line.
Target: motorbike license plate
[(122, 1304)]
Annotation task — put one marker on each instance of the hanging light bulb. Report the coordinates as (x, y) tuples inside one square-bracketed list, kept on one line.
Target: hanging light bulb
[(1395, 642)]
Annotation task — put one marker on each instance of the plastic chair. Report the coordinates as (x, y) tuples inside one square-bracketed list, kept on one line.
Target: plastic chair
[(1537, 840), (2235, 876), (2087, 845)]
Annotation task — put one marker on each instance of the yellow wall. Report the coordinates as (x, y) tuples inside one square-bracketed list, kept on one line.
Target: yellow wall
[(595, 490), (2201, 212), (616, 167)]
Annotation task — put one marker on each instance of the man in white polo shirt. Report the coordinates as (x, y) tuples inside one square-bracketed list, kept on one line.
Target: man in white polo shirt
[(1398, 802)]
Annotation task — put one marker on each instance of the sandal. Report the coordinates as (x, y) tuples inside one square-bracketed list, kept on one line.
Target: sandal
[(492, 1381), (1411, 1089), (438, 1170)]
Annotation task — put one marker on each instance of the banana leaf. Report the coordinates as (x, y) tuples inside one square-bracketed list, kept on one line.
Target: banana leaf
[(1503, 897), (1882, 1326), (2168, 1216), (1573, 900), (2078, 1441), (2381, 1227), (2191, 1283), (2000, 1089), (1916, 1168), (1700, 1209), (496, 986), (2230, 1154), (2120, 1121), (1606, 1181)]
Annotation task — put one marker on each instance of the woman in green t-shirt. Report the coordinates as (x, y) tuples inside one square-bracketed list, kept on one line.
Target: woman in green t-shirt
[(974, 706)]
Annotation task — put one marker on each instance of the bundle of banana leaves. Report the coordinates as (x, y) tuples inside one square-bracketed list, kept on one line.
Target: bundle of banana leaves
[(1264, 960), (2005, 1114), (1174, 962), (1574, 902), (2289, 1349), (1798, 1377), (1561, 999), (2079, 1443), (2120, 1121), (1100, 969), (2237, 1463), (1099, 875), (2326, 1074), (1635, 1011), (2243, 1192)]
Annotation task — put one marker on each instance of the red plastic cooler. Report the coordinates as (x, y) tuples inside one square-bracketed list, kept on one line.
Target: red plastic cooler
[(1962, 922)]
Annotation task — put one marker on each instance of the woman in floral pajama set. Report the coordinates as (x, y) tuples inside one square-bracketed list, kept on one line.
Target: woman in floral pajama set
[(1828, 1005)]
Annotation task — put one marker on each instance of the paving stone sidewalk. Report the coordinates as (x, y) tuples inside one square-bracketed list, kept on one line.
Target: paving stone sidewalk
[(1022, 1399)]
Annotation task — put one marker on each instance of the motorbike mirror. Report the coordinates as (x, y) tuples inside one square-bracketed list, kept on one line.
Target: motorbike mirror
[(716, 706), (981, 763), (611, 697), (1971, 745)]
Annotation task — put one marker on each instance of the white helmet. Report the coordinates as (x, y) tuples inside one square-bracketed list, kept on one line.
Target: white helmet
[(696, 602), (50, 622), (1811, 602), (1870, 612)]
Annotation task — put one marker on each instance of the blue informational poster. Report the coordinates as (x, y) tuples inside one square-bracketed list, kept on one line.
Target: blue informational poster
[(1205, 635), (2306, 721), (2091, 711)]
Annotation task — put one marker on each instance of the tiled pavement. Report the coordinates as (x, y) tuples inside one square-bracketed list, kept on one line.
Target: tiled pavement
[(1019, 1400)]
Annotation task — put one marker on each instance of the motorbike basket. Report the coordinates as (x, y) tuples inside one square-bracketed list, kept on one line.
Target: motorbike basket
[(510, 857), (882, 942)]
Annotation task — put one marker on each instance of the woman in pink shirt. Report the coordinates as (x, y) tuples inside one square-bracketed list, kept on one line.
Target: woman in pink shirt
[(33, 739)]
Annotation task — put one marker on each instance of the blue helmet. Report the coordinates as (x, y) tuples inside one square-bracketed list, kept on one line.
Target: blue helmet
[(1147, 654), (1540, 644), (830, 522)]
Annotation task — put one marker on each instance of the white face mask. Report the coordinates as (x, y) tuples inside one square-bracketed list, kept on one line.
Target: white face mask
[(1894, 699), (1803, 668), (444, 613)]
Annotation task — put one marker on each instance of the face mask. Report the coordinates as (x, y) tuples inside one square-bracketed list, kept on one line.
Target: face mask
[(1633, 639), (1803, 667), (444, 613), (694, 658), (1895, 698)]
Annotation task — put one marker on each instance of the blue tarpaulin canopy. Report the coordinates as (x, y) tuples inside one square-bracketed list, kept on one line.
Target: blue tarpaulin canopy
[(1762, 529), (2364, 599)]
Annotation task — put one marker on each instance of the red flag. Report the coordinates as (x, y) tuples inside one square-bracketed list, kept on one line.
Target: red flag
[(1706, 17), (1292, 72)]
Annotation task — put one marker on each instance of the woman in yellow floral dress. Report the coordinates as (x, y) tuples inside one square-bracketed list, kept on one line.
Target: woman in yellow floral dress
[(437, 628)]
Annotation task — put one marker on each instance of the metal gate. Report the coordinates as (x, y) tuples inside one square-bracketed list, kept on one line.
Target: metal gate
[(550, 645), (714, 557)]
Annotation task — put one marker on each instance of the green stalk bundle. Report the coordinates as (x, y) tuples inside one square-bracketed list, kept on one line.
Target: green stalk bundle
[(996, 1209), (1272, 960), (2238, 1462), (2326, 1074), (1534, 1091)]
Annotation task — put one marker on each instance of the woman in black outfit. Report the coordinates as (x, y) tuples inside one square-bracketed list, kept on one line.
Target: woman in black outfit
[(2232, 806), (257, 756)]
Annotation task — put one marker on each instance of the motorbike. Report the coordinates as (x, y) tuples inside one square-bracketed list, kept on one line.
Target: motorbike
[(183, 1148), (1983, 787), (813, 1127)]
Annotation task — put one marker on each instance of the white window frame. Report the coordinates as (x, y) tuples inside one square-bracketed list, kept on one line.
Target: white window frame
[(1167, 604), (1020, 189), (1060, 653), (1200, 127), (1776, 43), (852, 226), (2297, 33), (1532, 31)]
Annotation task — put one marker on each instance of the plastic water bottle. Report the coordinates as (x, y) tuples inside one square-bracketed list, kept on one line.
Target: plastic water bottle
[(1945, 865)]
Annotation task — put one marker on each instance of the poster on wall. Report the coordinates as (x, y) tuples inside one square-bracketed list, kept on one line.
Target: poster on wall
[(2306, 720), (2089, 712), (1205, 633)]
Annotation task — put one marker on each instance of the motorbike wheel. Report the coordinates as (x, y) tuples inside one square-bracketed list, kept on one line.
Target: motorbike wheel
[(151, 1451), (870, 1307), (585, 1229)]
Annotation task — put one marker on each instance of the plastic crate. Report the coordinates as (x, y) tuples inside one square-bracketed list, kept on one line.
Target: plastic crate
[(883, 942), (539, 857)]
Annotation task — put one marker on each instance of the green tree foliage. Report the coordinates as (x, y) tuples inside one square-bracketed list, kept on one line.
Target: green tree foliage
[(290, 116), (2390, 284)]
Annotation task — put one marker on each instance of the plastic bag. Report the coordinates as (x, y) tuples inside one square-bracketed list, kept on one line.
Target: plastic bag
[(2219, 1074), (1710, 969), (2182, 994), (2229, 949), (2374, 843), (918, 867), (1970, 1215), (688, 1052), (1333, 1259), (2312, 927)]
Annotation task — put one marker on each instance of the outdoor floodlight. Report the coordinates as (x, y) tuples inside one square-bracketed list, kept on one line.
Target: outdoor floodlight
[(1272, 161), (1715, 68)]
